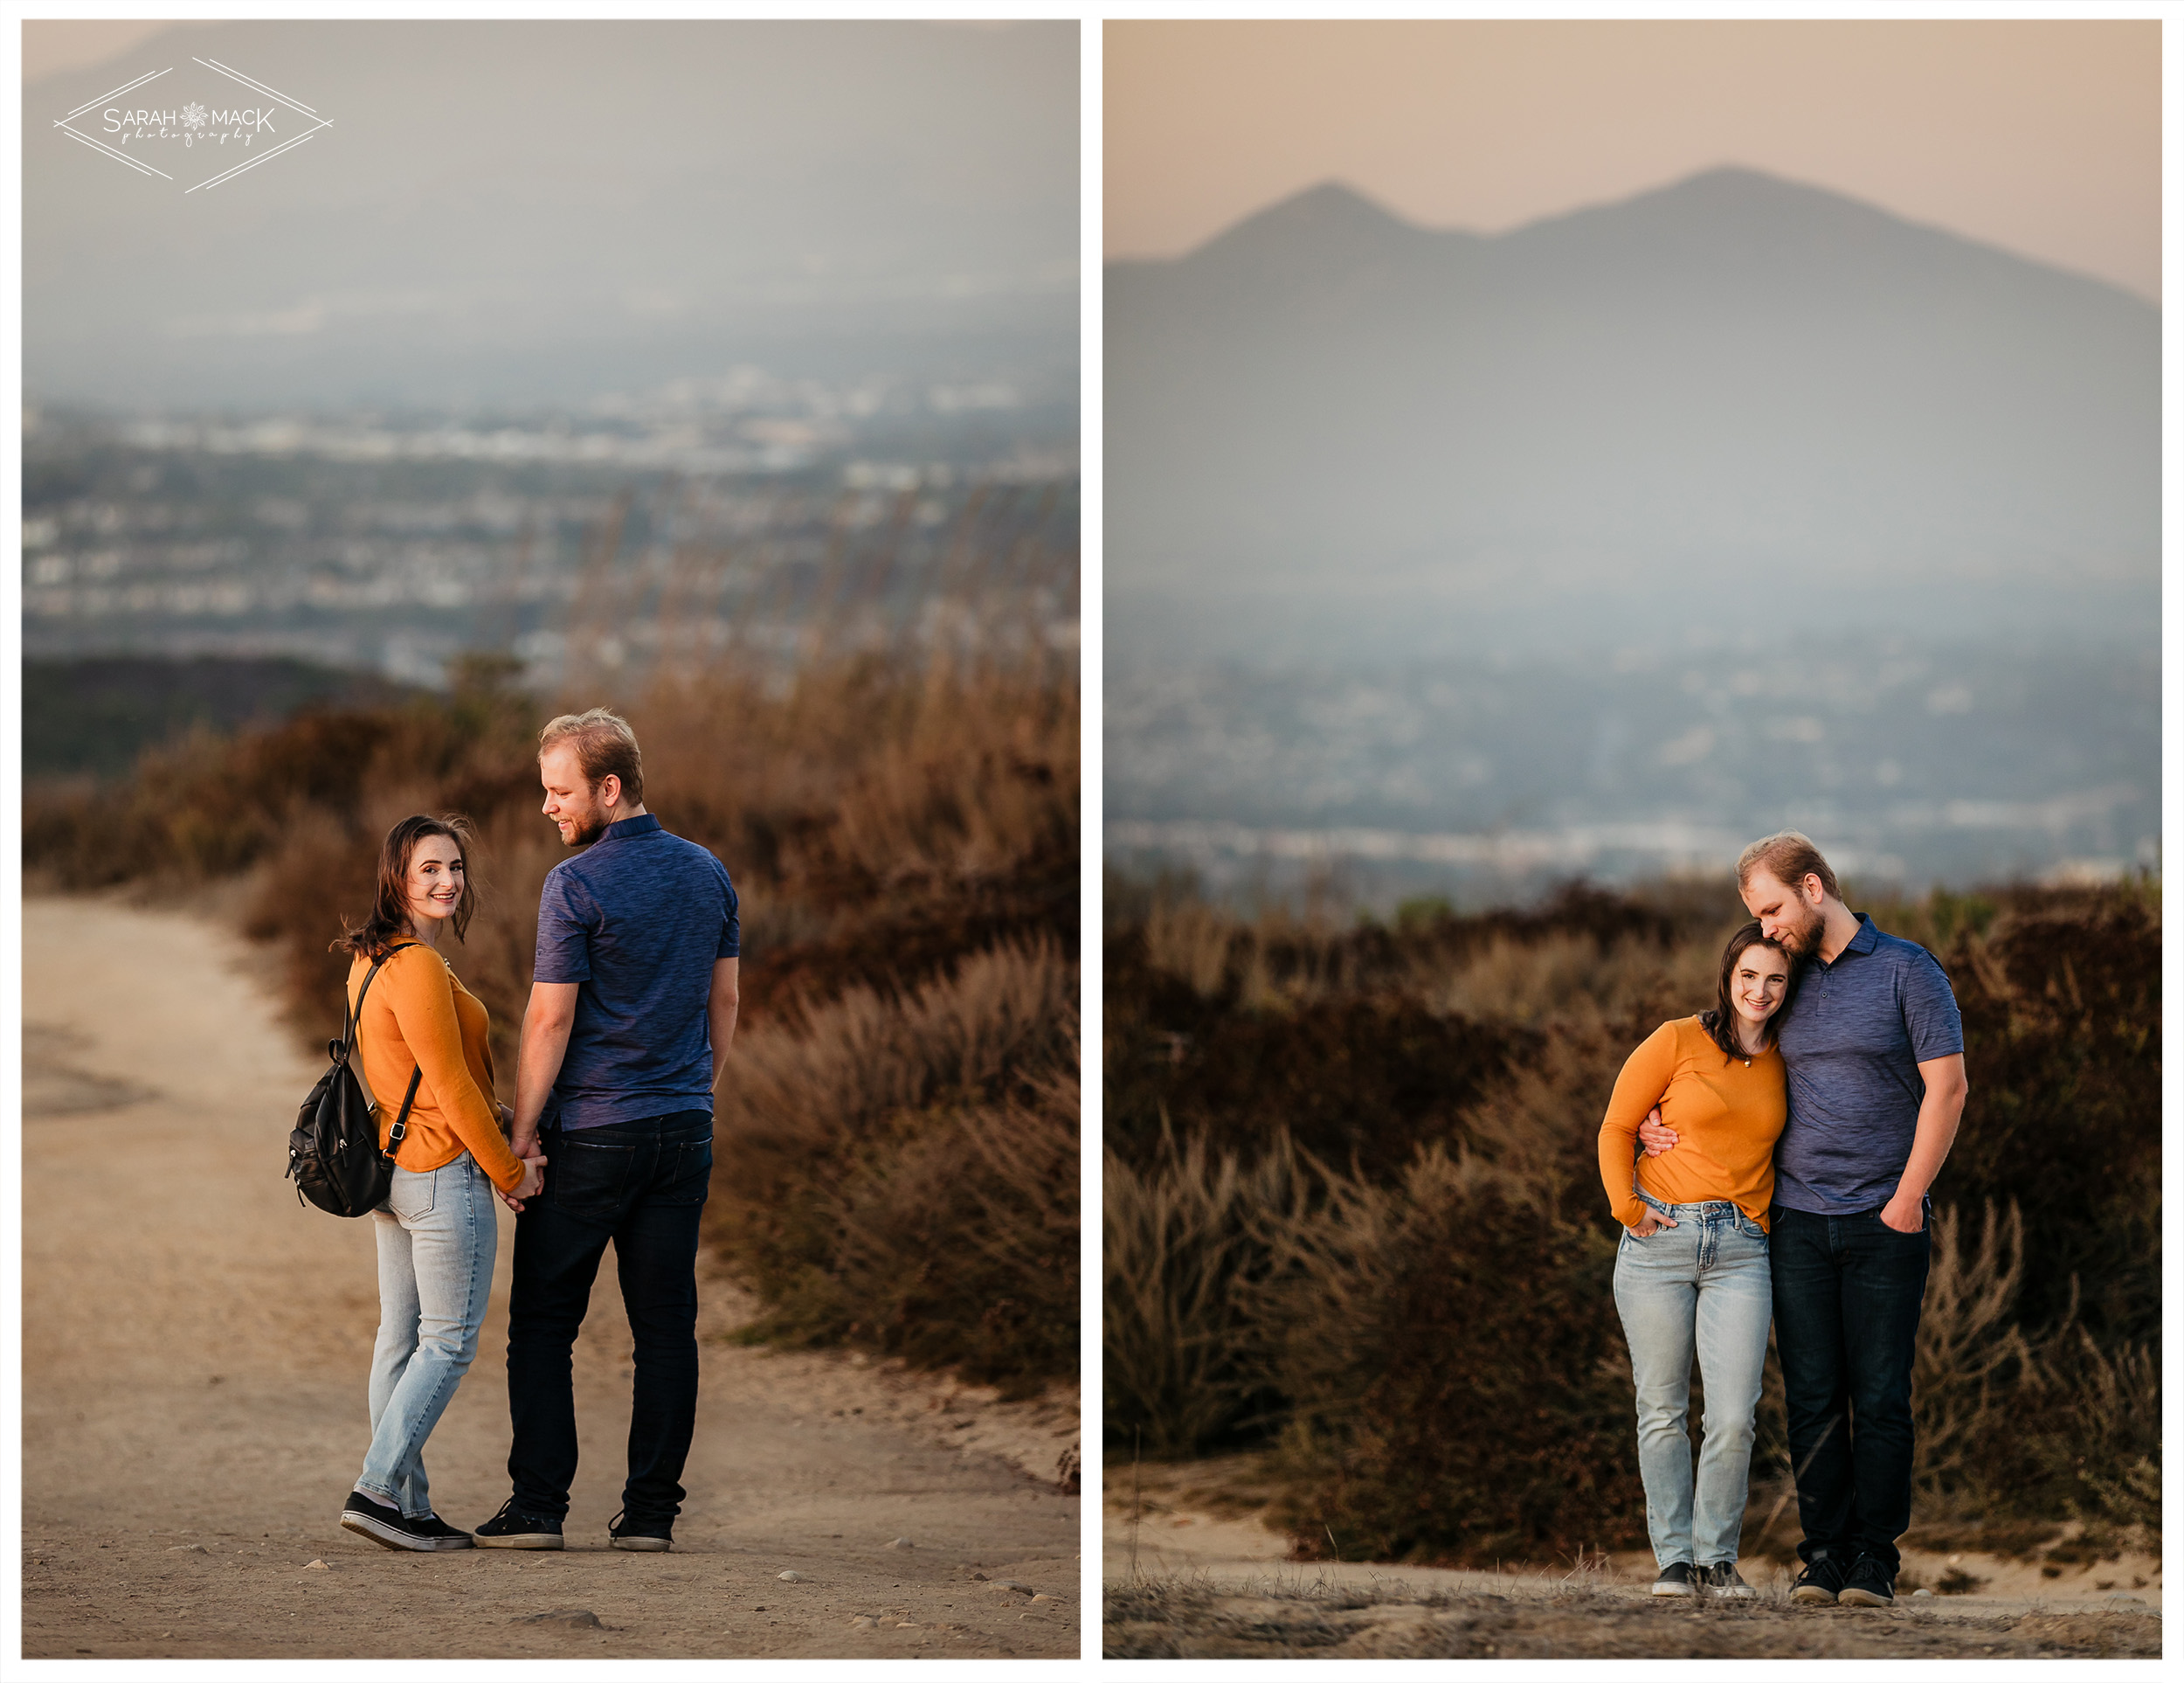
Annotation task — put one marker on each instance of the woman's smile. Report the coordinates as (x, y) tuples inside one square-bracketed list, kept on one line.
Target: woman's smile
[(1762, 976), (437, 881)]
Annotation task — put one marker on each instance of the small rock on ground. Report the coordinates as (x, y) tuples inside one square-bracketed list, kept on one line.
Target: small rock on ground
[(574, 1619)]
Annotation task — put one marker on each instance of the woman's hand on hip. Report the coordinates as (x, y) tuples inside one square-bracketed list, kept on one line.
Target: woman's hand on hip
[(1651, 1224)]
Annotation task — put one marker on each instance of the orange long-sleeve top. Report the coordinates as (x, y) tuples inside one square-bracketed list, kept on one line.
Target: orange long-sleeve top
[(1727, 1113), (417, 1014)]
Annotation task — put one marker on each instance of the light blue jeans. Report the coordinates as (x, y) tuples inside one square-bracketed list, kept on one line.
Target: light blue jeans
[(437, 1236), (1700, 1284)]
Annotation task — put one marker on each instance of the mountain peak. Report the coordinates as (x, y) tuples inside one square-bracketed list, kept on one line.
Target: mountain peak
[(1331, 215)]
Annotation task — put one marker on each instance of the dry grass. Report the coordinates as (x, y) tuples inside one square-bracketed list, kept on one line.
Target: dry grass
[(902, 1170), (1972, 1356), (1186, 1245), (1568, 980)]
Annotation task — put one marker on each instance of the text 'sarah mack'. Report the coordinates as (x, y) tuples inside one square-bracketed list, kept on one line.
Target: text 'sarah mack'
[(192, 122)]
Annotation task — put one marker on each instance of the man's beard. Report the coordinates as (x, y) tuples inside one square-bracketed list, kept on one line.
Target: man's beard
[(585, 832), (1802, 941)]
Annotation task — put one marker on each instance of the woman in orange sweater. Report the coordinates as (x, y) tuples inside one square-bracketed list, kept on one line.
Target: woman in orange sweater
[(1691, 1268), (421, 1030)]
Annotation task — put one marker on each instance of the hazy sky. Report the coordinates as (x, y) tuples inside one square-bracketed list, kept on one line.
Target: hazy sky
[(2043, 138), (52, 45), (543, 209)]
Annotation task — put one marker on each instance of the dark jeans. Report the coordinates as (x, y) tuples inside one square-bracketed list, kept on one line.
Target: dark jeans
[(642, 1185), (1846, 1293)]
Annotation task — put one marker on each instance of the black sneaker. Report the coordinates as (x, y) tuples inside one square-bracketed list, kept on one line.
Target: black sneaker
[(1822, 1580), (440, 1534), (1722, 1578), (1678, 1578), (383, 1525), (511, 1528), (650, 1536), (1869, 1584)]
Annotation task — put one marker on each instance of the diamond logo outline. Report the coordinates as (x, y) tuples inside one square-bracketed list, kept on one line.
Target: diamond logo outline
[(318, 123)]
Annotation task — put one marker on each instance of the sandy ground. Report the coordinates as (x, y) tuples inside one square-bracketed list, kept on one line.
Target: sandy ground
[(1192, 1573), (195, 1347)]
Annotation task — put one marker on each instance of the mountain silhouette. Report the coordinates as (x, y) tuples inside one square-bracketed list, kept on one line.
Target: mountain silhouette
[(1736, 398)]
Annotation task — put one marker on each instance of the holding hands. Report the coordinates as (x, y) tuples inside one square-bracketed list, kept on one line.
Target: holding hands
[(534, 1176), (524, 1144)]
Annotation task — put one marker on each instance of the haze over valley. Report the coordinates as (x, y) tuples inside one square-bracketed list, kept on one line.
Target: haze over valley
[(1597, 547)]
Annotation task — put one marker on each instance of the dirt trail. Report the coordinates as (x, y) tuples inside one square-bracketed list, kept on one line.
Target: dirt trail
[(1192, 1573), (194, 1357)]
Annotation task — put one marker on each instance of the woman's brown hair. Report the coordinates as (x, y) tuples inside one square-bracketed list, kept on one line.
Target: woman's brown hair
[(389, 919), (1720, 1023)]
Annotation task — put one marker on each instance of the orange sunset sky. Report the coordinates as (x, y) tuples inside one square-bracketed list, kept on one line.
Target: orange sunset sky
[(2041, 137)]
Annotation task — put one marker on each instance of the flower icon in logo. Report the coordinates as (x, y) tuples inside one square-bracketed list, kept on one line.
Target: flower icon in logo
[(193, 115)]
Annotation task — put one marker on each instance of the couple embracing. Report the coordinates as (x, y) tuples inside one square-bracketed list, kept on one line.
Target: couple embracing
[(1783, 1145), (631, 1012)]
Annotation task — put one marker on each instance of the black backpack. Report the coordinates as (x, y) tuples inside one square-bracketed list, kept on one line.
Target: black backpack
[(334, 1155)]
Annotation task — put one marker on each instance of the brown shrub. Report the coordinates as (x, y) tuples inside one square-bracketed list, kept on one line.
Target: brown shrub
[(1453, 1364), (1186, 1253), (888, 1169)]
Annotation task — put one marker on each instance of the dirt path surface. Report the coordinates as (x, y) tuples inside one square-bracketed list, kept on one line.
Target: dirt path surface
[(1192, 1574), (194, 1355)]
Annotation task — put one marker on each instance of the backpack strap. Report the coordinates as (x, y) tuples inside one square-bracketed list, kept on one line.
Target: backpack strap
[(396, 1134), (356, 1018), (402, 1121)]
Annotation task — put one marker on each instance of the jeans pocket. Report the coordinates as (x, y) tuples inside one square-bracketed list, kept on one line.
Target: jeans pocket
[(685, 1172), (409, 1195), (588, 1179)]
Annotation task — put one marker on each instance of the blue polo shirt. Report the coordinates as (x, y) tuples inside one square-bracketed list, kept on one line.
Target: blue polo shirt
[(637, 921), (1852, 1043)]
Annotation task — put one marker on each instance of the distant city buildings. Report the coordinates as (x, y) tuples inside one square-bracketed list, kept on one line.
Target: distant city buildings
[(641, 527)]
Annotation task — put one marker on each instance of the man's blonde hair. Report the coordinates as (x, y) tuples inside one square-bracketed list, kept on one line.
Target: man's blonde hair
[(606, 747), (1789, 857)]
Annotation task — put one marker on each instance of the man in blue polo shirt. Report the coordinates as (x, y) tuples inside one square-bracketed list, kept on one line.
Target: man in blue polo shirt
[(1874, 1049), (633, 1009)]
